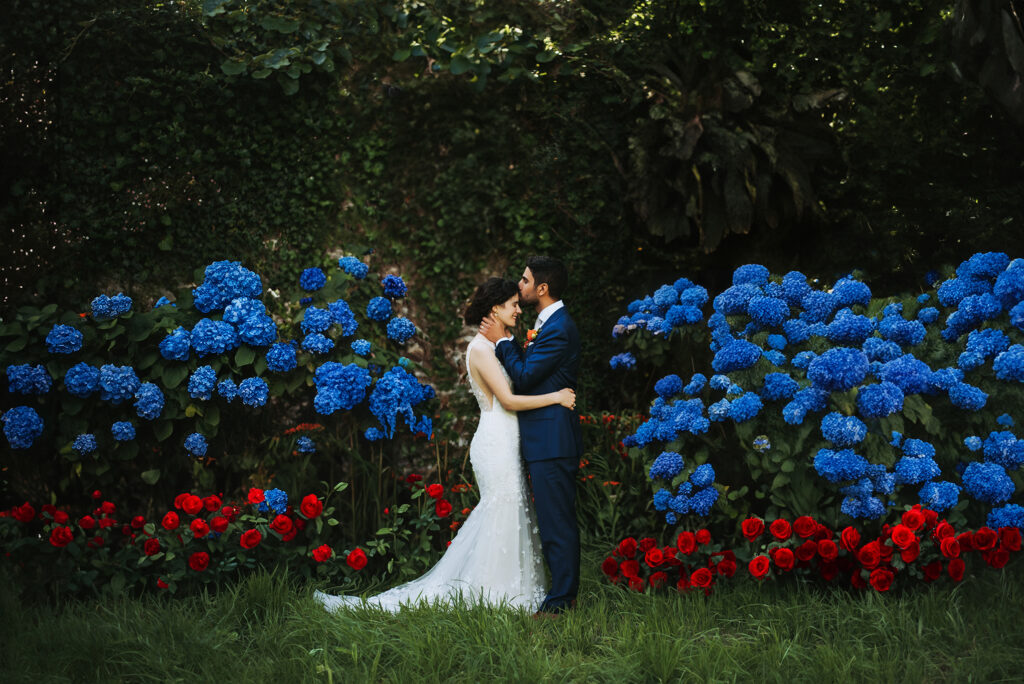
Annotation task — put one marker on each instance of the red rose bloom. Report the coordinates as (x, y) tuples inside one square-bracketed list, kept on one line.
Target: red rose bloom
[(849, 539), (857, 581), (107, 507), (636, 584), (829, 571), (96, 542), (658, 579), (413, 477), (784, 558), (626, 548), (48, 509), (610, 566), (281, 524), (192, 504), (903, 536), (956, 569), (702, 578), (828, 550), (804, 526), (726, 567), (881, 579), (944, 530), (759, 566), (684, 583), (966, 540), (212, 503), (311, 506), (230, 512), (950, 547), (752, 528), (985, 539), (199, 528), (435, 491), (686, 542), (322, 553), (1009, 538), (60, 517), (97, 494), (703, 537), (930, 517), (356, 559), (151, 547), (160, 583), (913, 519), (178, 500), (932, 571), (170, 521), (250, 539), (25, 513), (199, 560), (104, 523), (630, 568), (138, 522), (646, 544), (669, 554), (807, 550), (910, 554), (288, 536), (218, 524), (997, 558), (870, 555), (61, 536), (442, 508), (780, 529), (255, 495), (654, 557), (86, 522)]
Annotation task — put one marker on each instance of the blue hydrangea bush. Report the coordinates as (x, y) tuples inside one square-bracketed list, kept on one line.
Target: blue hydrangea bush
[(199, 389), (825, 399)]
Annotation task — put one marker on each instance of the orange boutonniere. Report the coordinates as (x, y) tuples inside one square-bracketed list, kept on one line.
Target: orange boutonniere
[(531, 335)]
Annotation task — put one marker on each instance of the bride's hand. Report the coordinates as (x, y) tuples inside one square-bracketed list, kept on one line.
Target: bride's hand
[(490, 329), (567, 398)]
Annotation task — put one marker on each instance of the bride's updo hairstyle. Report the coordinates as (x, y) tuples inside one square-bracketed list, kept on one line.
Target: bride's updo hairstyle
[(492, 292)]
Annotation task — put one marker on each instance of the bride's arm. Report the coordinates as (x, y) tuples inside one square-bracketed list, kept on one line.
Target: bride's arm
[(489, 370)]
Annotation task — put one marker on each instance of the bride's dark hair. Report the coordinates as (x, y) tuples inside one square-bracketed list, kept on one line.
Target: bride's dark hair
[(490, 293)]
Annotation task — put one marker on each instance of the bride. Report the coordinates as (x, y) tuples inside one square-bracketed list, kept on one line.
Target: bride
[(495, 557)]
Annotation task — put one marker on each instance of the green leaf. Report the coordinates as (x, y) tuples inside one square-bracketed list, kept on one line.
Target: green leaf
[(459, 65), (245, 355), (401, 55), (545, 56), (233, 68), (173, 375), (17, 345), (212, 8), (163, 429), (150, 477), (212, 415)]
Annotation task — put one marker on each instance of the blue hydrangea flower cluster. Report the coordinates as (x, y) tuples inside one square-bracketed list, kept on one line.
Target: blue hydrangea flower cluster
[(281, 358), (394, 286), (317, 343), (253, 391), (149, 401), (1005, 449), (354, 267), (624, 360), (1010, 515), (84, 444), (227, 389), (202, 382), (840, 466), (176, 346), (274, 500), (361, 347), (63, 339), (843, 431), (213, 337), (669, 386), (196, 445), (666, 466), (316, 320), (305, 445), (378, 309), (668, 420), (82, 380), (312, 279), (939, 496), (105, 308), (27, 379), (224, 281), (22, 426), (123, 431), (118, 384), (395, 394), (339, 387), (987, 482), (342, 315), (163, 301), (400, 329)]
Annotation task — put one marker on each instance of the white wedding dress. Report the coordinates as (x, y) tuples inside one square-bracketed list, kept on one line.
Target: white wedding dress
[(495, 557)]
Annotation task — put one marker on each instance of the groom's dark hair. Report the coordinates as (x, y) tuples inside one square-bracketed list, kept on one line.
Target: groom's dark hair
[(491, 292), (549, 270)]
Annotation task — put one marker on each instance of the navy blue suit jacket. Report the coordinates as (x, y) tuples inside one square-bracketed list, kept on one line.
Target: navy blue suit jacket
[(549, 364)]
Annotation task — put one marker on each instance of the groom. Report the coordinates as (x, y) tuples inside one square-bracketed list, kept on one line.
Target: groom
[(552, 443)]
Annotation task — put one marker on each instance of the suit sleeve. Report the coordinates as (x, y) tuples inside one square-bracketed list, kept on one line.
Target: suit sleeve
[(529, 370)]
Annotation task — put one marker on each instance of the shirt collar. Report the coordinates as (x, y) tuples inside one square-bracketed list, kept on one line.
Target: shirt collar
[(545, 314)]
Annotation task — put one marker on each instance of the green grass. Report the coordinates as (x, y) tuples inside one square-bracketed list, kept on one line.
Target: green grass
[(268, 628)]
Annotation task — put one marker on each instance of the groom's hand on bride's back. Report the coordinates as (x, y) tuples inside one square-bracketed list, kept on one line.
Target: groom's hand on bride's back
[(490, 330)]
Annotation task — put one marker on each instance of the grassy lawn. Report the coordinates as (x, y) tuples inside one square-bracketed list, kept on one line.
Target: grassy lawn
[(267, 628)]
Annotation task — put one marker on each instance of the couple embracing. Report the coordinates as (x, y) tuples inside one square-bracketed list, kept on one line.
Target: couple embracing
[(526, 394)]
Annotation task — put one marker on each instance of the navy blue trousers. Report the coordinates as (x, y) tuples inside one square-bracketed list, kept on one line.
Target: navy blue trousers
[(554, 497)]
